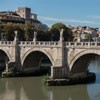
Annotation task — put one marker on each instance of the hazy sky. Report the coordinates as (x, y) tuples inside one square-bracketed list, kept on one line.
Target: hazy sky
[(69, 12)]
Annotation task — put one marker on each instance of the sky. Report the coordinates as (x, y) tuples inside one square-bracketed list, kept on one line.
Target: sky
[(69, 12)]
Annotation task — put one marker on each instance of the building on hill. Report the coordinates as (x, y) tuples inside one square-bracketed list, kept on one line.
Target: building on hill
[(84, 33), (25, 13), (22, 15), (9, 16)]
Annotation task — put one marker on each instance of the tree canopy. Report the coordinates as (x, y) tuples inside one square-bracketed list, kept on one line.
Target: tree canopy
[(26, 32), (55, 29)]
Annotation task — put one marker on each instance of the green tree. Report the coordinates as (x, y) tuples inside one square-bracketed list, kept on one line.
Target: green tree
[(8, 31), (21, 32), (55, 29), (26, 32), (29, 31), (43, 35)]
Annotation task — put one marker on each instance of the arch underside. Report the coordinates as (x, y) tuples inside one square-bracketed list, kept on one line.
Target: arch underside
[(45, 52), (6, 53), (3, 58), (81, 62), (34, 61)]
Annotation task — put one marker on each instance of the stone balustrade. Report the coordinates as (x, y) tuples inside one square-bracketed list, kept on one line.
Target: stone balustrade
[(82, 44), (29, 43), (38, 43), (63, 55), (7, 43), (50, 43)]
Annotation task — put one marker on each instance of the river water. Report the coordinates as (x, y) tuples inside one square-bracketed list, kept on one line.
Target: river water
[(31, 88)]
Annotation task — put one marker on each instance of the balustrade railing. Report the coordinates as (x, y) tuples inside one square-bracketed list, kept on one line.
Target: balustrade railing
[(82, 44), (6, 43), (37, 43), (50, 43), (30, 43)]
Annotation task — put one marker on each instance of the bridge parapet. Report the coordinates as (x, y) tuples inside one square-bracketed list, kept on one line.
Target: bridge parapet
[(39, 43), (7, 43), (82, 44), (30, 43), (50, 43)]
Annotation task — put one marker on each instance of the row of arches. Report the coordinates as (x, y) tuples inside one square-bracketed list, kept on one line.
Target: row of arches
[(35, 60), (32, 62)]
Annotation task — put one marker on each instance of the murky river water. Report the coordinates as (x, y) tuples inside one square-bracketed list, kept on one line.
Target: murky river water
[(31, 88)]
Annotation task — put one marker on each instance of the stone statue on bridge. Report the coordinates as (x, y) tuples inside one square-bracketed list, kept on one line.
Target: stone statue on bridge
[(35, 34), (16, 36), (61, 35), (1, 36)]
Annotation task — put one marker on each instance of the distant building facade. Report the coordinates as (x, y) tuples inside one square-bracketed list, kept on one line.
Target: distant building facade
[(9, 16), (80, 33)]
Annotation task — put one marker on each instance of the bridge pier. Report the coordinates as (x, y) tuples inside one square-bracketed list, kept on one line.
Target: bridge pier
[(17, 66), (58, 72)]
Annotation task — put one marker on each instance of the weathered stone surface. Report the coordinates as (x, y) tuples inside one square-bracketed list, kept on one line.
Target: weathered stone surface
[(66, 57)]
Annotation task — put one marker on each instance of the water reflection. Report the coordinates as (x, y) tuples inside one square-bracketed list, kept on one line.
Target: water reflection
[(31, 88), (21, 89), (77, 92), (95, 65), (94, 89)]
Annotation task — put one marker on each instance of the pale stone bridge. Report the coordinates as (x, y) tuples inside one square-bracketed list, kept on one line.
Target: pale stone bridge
[(67, 58)]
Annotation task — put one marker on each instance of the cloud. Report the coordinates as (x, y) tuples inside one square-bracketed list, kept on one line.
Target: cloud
[(95, 17), (68, 20)]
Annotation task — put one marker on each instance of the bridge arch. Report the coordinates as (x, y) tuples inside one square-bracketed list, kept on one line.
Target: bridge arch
[(39, 50), (81, 54), (6, 52), (4, 56)]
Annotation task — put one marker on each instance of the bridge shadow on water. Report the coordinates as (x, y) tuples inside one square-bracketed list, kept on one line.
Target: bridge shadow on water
[(40, 72)]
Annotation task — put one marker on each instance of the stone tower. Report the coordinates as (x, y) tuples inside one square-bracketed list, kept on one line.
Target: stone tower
[(25, 13)]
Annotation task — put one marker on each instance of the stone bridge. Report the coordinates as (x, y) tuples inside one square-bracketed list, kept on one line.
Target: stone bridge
[(67, 58)]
